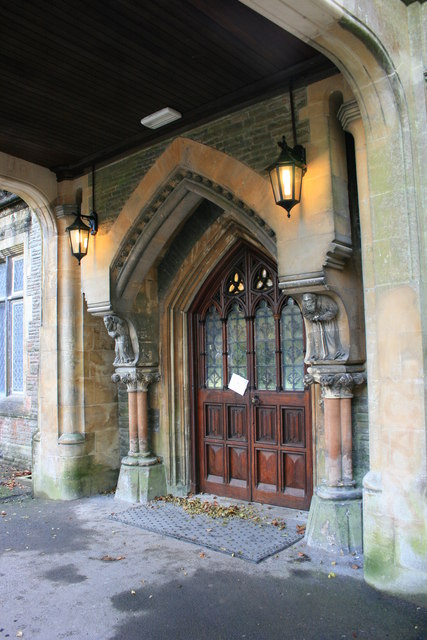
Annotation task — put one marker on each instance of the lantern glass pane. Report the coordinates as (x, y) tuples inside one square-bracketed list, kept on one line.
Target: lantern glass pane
[(274, 177), (298, 183), (75, 240), (286, 181)]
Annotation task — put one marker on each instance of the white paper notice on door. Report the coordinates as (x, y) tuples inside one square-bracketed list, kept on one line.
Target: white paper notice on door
[(238, 384)]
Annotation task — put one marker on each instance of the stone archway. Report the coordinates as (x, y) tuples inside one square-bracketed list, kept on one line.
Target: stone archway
[(389, 94), (39, 199)]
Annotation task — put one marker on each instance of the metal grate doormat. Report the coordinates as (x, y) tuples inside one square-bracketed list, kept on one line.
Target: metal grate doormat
[(234, 536)]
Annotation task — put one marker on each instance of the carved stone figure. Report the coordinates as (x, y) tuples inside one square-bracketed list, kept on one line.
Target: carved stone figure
[(322, 331), (117, 329)]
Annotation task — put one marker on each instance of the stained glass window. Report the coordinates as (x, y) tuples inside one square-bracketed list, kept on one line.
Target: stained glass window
[(235, 283), (265, 347), (213, 333), (263, 280), (292, 347), (236, 334)]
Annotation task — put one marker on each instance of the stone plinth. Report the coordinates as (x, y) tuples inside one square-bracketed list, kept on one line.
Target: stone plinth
[(141, 479), (335, 525)]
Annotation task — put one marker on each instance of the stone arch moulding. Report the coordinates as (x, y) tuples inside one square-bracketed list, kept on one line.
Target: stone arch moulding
[(176, 409), (185, 174), (38, 199), (173, 204)]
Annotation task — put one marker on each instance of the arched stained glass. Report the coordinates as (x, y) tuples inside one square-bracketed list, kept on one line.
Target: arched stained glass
[(213, 350), (292, 347), (263, 280), (236, 338), (235, 284), (265, 347)]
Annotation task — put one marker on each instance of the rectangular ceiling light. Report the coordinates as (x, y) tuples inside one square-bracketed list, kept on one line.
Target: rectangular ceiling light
[(160, 118)]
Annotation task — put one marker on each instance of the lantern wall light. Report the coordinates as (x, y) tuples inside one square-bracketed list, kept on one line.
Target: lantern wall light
[(79, 231), (287, 172)]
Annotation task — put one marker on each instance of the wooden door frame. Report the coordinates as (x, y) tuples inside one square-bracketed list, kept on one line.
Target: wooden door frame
[(223, 265)]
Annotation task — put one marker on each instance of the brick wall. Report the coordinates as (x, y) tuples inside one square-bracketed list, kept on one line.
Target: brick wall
[(249, 135)]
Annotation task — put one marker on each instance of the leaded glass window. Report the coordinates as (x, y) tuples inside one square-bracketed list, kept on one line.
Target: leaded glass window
[(12, 325), (265, 347), (17, 346), (2, 348), (292, 347), (18, 274), (236, 336), (213, 349), (2, 279)]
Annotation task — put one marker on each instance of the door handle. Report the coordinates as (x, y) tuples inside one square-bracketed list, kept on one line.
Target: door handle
[(255, 399)]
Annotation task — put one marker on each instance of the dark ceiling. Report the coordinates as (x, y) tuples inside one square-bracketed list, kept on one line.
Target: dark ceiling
[(78, 75)]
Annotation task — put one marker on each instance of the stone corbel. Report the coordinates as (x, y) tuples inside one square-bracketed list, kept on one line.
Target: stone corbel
[(120, 330), (320, 313)]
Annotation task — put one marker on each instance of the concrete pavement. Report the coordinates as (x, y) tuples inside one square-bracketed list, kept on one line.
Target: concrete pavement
[(68, 571)]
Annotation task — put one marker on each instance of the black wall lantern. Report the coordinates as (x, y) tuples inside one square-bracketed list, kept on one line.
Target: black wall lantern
[(79, 231), (287, 172)]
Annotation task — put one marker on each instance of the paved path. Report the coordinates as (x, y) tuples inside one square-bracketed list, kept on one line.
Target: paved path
[(55, 582)]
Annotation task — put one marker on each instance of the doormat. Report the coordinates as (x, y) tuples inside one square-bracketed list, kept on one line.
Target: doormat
[(233, 536)]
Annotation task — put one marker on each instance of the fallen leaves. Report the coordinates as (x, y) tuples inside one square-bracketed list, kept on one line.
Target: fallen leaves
[(13, 480), (332, 575), (195, 506), (301, 529), (111, 559), (303, 557)]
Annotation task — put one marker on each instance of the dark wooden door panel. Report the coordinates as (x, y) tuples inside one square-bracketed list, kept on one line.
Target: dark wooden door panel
[(238, 467), (214, 427), (265, 424), (237, 422), (214, 463), (293, 426)]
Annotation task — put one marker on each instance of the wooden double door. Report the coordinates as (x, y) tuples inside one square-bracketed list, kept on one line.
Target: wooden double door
[(255, 446)]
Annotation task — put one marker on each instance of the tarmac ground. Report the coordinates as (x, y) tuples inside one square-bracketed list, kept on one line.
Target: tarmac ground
[(69, 571)]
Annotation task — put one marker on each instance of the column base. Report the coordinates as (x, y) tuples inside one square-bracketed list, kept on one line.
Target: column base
[(335, 524), (141, 482), (65, 470)]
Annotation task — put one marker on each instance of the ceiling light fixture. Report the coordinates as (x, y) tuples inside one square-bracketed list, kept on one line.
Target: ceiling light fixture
[(160, 118)]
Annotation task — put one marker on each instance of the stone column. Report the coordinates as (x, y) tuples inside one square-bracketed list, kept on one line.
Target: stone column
[(142, 474), (66, 472), (335, 514)]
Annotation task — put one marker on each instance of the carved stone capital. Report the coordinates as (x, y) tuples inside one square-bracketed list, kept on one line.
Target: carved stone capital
[(335, 384), (135, 379)]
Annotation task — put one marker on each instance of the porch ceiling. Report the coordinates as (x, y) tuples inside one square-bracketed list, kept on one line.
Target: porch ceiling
[(79, 75)]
